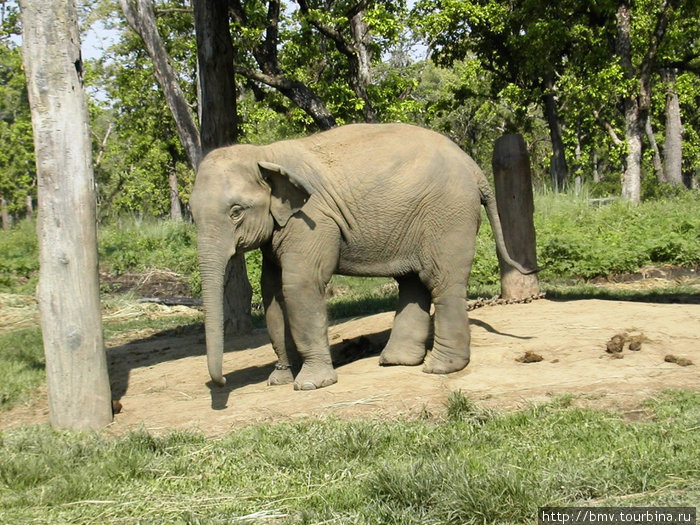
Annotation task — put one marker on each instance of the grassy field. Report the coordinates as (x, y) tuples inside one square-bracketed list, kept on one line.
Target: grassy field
[(473, 466), (470, 466)]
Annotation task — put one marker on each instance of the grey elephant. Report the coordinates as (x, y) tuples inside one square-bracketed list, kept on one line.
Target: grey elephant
[(364, 199)]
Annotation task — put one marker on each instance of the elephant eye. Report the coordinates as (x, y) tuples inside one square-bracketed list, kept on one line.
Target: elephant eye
[(236, 212)]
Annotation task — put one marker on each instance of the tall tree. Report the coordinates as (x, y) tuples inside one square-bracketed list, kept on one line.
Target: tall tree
[(524, 45), (141, 18), (68, 292), (637, 100), (218, 128)]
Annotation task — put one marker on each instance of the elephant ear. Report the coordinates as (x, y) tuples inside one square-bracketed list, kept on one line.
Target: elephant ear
[(288, 192)]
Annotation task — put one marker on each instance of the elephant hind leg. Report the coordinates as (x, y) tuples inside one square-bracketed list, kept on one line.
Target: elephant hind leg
[(450, 351), (447, 279), (409, 336)]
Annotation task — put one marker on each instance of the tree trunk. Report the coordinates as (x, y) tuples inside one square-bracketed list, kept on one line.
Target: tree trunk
[(68, 291), (141, 18), (218, 117), (175, 206), (29, 206), (4, 214), (632, 174), (637, 104), (513, 182), (658, 166), (360, 63), (673, 143), (559, 169)]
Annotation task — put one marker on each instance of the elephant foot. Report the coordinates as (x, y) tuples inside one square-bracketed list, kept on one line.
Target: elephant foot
[(440, 364), (281, 375), (313, 377), (406, 355)]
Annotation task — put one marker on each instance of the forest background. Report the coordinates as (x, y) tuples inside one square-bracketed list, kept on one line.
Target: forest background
[(605, 93)]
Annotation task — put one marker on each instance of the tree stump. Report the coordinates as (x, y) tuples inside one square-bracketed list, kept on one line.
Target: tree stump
[(513, 182)]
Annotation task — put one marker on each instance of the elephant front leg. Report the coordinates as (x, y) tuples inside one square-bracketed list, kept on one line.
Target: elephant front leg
[(451, 347), (306, 312), (409, 335), (288, 359)]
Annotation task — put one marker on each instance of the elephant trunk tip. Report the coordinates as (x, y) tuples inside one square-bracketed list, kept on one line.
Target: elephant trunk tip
[(216, 374), (218, 379)]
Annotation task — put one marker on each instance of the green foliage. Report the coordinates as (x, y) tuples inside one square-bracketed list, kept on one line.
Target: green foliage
[(142, 149), (440, 471), (17, 170), (574, 239), (582, 241)]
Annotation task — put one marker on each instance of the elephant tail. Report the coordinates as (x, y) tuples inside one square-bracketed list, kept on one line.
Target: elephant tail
[(488, 199)]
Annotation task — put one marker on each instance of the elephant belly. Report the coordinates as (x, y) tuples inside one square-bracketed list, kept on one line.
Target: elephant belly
[(375, 262)]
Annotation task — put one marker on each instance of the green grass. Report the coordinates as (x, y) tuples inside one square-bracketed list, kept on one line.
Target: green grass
[(21, 366), (472, 466)]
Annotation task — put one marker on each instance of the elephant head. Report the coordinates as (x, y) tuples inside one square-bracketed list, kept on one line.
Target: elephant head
[(237, 202)]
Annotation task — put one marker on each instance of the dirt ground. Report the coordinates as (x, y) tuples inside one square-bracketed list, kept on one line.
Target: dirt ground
[(162, 383)]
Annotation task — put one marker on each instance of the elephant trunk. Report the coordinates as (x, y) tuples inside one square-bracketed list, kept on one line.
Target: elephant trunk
[(212, 274)]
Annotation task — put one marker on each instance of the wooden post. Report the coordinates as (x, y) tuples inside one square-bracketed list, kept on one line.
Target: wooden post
[(512, 179), (68, 292)]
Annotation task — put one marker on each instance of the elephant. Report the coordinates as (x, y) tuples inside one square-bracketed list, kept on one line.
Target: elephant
[(390, 200)]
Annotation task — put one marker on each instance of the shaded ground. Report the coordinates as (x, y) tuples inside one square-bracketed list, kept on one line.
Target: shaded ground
[(162, 383)]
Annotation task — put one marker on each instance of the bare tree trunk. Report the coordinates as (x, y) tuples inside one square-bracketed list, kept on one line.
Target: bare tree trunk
[(632, 174), (68, 291), (658, 166), (175, 206), (673, 143), (559, 170), (4, 214), (637, 104), (360, 64), (29, 206), (141, 18), (219, 128), (513, 182)]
